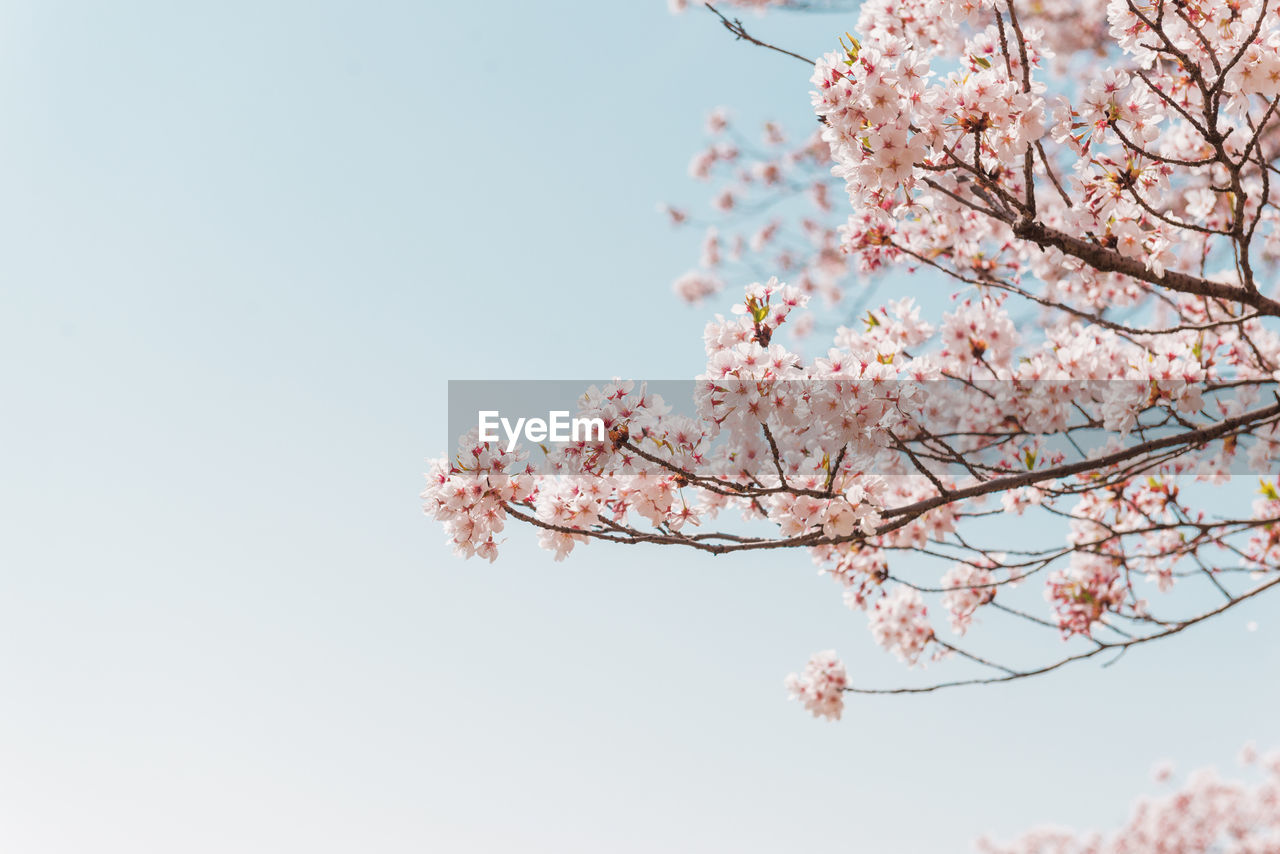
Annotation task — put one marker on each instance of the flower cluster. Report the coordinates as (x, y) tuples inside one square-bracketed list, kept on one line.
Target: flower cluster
[(899, 622), (1205, 814), (470, 494), (821, 687), (969, 587)]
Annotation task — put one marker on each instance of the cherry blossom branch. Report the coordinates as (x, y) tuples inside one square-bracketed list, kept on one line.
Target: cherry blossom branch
[(1107, 260), (740, 33), (1071, 659)]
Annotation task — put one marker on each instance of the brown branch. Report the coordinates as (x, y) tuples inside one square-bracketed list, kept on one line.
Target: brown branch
[(1109, 261), (740, 33), (1103, 647)]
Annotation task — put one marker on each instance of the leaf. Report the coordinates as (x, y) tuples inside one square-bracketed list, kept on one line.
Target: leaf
[(852, 49)]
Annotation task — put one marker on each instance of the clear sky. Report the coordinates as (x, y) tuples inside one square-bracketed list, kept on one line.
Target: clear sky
[(246, 245)]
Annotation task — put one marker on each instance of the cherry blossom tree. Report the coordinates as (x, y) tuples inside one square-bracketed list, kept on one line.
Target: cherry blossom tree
[(1093, 179), (1205, 815)]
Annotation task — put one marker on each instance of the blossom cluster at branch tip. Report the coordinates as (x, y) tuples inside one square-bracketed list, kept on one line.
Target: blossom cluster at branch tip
[(820, 688)]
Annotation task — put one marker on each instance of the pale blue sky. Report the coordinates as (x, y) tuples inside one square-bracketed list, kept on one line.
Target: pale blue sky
[(247, 244)]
